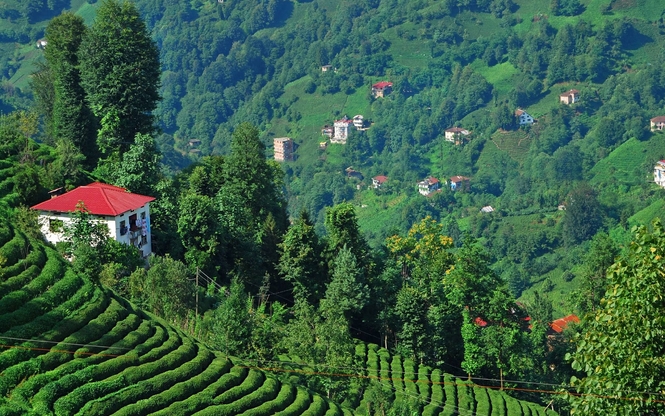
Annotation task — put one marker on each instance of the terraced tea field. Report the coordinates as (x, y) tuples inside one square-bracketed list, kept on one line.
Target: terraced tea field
[(72, 347)]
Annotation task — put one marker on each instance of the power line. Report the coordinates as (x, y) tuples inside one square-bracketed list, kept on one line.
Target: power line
[(65, 343)]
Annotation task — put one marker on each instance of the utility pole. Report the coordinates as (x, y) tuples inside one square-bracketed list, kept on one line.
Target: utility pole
[(197, 294)]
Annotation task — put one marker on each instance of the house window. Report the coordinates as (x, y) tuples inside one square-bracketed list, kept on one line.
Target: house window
[(55, 225), (143, 215), (144, 239), (133, 226), (123, 227)]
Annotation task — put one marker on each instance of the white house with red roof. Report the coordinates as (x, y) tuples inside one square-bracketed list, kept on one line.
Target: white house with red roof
[(381, 89), (377, 181), (569, 97), (428, 185), (659, 173), (456, 135), (342, 127), (523, 118), (459, 182), (126, 215), (658, 123)]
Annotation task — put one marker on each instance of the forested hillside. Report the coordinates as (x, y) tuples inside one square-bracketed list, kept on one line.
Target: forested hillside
[(179, 101)]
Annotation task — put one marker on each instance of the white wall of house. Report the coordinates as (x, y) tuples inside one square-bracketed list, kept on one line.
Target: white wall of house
[(140, 237), (659, 175)]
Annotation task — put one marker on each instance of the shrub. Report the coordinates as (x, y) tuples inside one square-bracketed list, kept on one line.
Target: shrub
[(206, 396), (482, 402), (465, 397), (450, 391), (424, 385), (497, 403), (317, 408), (300, 405), (284, 398), (267, 391), (397, 373)]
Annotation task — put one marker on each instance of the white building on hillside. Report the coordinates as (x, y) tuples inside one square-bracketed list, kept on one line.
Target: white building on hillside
[(659, 173), (126, 215), (341, 130)]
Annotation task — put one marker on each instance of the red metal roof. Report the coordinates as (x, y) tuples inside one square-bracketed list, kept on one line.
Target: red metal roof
[(562, 323), (457, 179), (659, 119), (383, 84), (98, 198), (381, 178)]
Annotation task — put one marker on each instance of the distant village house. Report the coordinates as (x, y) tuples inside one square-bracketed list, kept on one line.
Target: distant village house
[(326, 68), (283, 149), (341, 132), (658, 123), (456, 135), (569, 97), (659, 173), (352, 173), (358, 121), (377, 181), (559, 325), (523, 118), (381, 89), (327, 130), (428, 185), (459, 183), (41, 43), (126, 215)]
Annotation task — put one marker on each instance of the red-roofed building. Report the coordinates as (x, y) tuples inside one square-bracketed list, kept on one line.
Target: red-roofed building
[(459, 182), (559, 325), (569, 97), (126, 215), (429, 185), (658, 123), (381, 89), (377, 181)]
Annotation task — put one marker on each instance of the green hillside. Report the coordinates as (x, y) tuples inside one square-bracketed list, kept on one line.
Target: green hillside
[(71, 346)]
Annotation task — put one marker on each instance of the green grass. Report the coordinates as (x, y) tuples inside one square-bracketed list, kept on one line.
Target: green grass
[(627, 163), (501, 76), (514, 143), (648, 214)]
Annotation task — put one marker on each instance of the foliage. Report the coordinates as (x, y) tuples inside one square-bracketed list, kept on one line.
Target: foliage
[(119, 65), (619, 350)]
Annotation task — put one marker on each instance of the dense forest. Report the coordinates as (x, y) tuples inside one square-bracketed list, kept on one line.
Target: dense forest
[(178, 101)]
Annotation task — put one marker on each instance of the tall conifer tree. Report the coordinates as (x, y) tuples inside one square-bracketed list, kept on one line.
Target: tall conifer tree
[(120, 73)]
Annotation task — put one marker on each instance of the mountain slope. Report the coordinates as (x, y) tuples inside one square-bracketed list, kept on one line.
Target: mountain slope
[(71, 346)]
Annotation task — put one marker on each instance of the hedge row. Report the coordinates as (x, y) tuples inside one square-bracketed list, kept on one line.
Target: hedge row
[(497, 403), (101, 395), (409, 376), (233, 378), (39, 315), (301, 403), (424, 385), (190, 387), (14, 299), (284, 399), (397, 373), (466, 402), (36, 327), (11, 274), (251, 382), (450, 404), (436, 399), (51, 270), (318, 407), (267, 391), (6, 233), (483, 407), (12, 251)]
